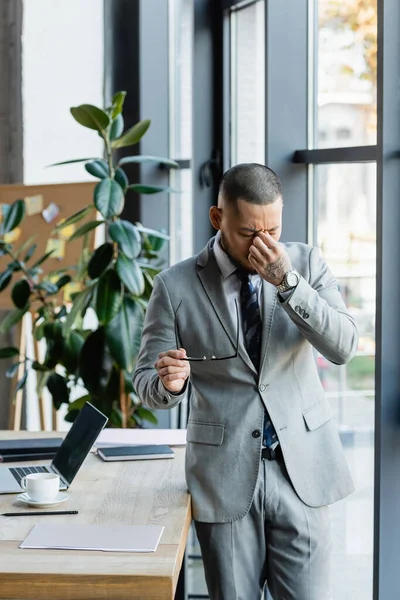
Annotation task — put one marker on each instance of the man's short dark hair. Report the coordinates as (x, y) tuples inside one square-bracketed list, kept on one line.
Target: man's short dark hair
[(254, 183)]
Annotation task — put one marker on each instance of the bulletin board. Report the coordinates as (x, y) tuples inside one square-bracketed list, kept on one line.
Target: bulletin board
[(68, 198)]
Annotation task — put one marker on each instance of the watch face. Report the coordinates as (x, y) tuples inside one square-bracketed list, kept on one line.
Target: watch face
[(292, 279)]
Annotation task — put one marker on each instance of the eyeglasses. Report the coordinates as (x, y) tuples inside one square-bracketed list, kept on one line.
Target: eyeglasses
[(205, 358)]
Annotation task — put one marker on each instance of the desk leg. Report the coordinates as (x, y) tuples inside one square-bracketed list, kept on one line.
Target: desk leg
[(181, 588)]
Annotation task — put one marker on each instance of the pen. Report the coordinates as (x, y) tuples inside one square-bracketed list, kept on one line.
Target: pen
[(35, 514)]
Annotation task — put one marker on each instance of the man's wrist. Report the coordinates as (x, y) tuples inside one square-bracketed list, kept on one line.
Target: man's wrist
[(289, 281)]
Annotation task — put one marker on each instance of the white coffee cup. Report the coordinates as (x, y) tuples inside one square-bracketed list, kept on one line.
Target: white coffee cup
[(41, 487)]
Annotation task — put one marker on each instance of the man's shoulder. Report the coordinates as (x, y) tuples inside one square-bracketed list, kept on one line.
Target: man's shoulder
[(182, 269), (298, 250)]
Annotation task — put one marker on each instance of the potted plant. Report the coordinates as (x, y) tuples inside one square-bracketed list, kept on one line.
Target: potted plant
[(113, 282)]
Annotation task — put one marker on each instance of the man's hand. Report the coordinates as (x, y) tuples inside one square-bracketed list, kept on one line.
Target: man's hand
[(269, 258), (172, 371)]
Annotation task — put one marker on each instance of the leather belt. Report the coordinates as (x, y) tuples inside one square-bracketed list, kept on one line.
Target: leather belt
[(271, 454)]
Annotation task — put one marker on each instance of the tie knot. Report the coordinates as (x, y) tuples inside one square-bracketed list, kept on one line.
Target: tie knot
[(243, 275)]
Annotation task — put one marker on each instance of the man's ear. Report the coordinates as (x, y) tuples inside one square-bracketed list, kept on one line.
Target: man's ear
[(215, 216)]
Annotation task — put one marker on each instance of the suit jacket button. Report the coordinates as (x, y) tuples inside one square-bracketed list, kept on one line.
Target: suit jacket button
[(306, 315), (165, 401), (297, 308), (256, 433), (262, 387)]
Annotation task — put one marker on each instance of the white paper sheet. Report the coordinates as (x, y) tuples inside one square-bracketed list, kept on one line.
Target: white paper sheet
[(107, 538), (170, 437)]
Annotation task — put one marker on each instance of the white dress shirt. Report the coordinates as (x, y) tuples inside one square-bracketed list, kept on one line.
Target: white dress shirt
[(230, 281)]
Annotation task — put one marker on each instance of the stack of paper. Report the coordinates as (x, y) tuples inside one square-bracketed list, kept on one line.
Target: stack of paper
[(108, 538)]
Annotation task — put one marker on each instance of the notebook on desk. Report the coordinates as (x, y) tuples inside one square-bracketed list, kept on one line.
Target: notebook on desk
[(107, 538), (146, 452)]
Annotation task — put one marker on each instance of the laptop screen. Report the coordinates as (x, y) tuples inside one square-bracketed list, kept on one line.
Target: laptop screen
[(79, 441)]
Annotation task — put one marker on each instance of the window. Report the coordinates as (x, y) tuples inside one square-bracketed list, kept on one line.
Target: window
[(62, 62), (344, 201), (247, 72), (181, 61), (347, 55)]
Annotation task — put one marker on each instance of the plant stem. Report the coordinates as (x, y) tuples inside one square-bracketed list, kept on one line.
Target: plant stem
[(109, 156)]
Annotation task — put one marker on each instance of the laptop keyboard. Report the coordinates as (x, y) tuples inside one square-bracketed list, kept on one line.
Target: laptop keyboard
[(19, 472)]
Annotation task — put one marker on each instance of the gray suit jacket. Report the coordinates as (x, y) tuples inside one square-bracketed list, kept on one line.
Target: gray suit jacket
[(228, 398)]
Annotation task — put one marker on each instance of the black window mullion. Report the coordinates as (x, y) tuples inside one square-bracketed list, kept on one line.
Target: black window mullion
[(352, 154)]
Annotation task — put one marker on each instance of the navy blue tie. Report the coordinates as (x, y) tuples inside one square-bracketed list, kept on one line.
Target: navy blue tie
[(252, 328)]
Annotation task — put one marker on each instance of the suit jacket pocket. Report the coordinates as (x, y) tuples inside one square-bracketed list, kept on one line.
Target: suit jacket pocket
[(205, 433), (318, 414)]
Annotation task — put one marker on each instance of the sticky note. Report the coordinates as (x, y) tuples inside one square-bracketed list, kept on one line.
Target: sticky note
[(66, 232), (13, 235), (33, 204), (69, 289), (58, 247), (51, 212)]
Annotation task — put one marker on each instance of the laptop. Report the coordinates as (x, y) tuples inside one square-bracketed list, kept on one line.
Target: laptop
[(69, 457)]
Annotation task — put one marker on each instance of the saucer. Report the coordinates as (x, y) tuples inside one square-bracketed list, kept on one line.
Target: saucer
[(61, 497)]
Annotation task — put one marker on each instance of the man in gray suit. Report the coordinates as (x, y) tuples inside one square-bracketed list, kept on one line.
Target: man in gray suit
[(240, 321)]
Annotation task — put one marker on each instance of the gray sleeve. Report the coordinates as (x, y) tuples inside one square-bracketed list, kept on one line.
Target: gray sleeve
[(318, 310), (158, 336)]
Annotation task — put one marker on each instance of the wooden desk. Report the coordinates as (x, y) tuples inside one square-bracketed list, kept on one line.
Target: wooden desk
[(131, 493)]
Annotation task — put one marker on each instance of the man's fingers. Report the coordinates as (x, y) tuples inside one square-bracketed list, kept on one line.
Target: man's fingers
[(169, 370), (267, 239), (174, 377), (256, 254), (181, 353)]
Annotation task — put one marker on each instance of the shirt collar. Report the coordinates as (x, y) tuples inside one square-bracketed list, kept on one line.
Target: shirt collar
[(224, 263)]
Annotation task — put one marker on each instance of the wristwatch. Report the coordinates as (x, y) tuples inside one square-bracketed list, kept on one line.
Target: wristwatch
[(290, 280)]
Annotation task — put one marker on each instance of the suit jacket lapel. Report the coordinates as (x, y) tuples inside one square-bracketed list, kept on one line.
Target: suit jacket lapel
[(211, 281), (269, 299)]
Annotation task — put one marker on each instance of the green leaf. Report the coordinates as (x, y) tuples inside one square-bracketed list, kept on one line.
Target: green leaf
[(41, 260), (100, 260), (9, 352), (85, 229), (130, 274), (5, 279), (146, 415), (149, 189), (95, 363), (117, 127), (133, 135), (90, 116), (109, 198), (76, 308), (48, 287), (74, 160), (37, 366), (64, 280), (20, 293), (126, 235), (98, 168), (121, 178), (79, 403), (12, 318), (12, 370), (55, 343), (21, 383), (72, 348), (123, 333), (78, 216), (25, 245), (14, 216), (148, 159), (30, 253), (59, 390), (117, 104), (109, 297)]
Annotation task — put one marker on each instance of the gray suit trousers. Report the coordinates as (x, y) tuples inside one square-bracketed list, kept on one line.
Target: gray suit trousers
[(281, 542)]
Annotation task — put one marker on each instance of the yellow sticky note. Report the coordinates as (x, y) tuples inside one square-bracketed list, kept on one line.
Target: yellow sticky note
[(58, 247), (13, 235), (33, 204), (69, 289), (66, 232)]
